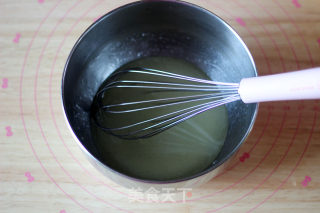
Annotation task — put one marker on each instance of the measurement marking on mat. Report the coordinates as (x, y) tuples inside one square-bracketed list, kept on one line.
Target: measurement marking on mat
[(241, 22), (296, 3), (244, 156), (306, 181), (17, 38), (9, 132), (29, 176), (4, 83)]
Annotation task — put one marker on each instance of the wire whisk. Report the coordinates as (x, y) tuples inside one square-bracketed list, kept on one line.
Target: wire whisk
[(142, 102)]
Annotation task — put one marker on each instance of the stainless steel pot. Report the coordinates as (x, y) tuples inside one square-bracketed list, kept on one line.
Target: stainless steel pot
[(138, 30)]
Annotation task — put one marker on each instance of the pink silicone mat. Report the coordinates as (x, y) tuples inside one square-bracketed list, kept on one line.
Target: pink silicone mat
[(43, 170)]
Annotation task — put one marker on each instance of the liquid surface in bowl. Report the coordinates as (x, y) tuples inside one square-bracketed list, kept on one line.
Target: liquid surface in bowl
[(181, 151)]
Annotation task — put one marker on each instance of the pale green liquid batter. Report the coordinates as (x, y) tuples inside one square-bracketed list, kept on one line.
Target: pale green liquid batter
[(181, 151)]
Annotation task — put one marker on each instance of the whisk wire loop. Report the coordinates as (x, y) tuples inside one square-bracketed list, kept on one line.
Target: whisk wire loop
[(212, 94)]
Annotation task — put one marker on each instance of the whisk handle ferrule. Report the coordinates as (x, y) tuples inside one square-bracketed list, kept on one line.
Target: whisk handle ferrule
[(298, 85)]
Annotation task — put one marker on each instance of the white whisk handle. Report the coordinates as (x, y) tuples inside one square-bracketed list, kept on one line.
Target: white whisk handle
[(298, 85)]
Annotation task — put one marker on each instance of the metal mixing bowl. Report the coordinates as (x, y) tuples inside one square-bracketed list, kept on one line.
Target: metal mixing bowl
[(156, 28)]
